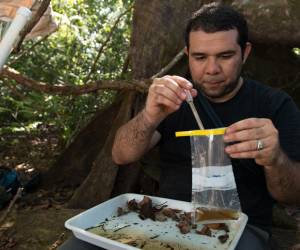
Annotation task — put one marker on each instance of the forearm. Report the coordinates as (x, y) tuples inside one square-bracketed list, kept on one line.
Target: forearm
[(133, 139), (283, 179)]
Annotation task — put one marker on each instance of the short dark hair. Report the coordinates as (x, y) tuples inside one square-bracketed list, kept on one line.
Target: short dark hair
[(216, 17)]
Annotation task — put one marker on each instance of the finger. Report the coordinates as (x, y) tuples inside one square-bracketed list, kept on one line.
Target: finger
[(193, 92), (161, 91), (261, 157), (242, 147), (160, 84), (183, 83), (171, 83), (244, 155), (245, 135), (253, 154), (246, 124), (161, 100), (250, 147)]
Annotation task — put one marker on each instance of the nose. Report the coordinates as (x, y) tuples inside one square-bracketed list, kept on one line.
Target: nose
[(212, 66)]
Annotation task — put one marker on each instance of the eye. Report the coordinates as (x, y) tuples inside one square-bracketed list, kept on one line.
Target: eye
[(200, 58), (226, 56)]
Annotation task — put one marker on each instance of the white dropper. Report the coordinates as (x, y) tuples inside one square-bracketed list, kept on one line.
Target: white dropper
[(190, 101), (23, 15)]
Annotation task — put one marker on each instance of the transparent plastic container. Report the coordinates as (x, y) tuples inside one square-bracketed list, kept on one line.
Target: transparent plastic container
[(213, 183)]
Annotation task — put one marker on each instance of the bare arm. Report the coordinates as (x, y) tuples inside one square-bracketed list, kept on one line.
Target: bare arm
[(283, 179), (282, 174), (135, 138)]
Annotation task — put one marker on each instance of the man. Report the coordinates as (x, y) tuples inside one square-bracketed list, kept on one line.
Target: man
[(263, 125)]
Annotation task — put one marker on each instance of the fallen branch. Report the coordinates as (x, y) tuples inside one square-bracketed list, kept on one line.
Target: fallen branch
[(58, 242), (11, 204), (68, 89)]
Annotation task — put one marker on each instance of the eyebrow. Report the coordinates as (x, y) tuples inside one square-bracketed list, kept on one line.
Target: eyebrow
[(219, 54)]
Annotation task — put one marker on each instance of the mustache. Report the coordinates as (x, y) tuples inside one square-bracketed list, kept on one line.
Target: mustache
[(213, 79)]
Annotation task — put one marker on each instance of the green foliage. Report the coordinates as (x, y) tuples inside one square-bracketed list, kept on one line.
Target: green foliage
[(296, 51), (67, 56)]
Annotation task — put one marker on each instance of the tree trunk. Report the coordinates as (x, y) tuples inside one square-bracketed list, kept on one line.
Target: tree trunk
[(158, 33), (98, 185), (79, 155), (272, 21)]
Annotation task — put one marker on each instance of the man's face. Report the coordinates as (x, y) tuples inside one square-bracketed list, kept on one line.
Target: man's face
[(215, 61)]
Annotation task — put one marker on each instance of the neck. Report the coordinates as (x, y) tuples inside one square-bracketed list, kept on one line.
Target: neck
[(229, 95)]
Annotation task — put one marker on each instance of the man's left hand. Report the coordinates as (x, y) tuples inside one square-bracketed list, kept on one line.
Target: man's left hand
[(255, 138)]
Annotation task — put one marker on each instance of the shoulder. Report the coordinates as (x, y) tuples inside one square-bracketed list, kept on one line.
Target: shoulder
[(264, 90), (284, 113), (269, 99)]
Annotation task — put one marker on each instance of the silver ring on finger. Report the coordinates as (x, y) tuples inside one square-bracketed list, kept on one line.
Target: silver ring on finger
[(259, 145)]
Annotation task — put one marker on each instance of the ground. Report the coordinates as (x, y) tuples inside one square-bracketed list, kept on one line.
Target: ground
[(36, 220)]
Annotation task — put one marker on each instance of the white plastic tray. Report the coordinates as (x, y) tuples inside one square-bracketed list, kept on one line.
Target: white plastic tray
[(167, 231)]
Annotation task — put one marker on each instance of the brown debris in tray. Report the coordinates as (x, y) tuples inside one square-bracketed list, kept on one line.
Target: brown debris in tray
[(132, 205), (218, 226), (146, 210), (122, 211), (184, 227), (186, 217), (205, 230), (185, 223), (223, 238), (159, 216), (171, 213)]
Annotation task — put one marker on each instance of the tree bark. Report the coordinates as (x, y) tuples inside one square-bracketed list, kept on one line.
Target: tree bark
[(272, 21), (98, 185), (157, 34), (82, 151)]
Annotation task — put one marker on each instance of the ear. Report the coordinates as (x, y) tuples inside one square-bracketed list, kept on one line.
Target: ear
[(186, 51), (247, 51)]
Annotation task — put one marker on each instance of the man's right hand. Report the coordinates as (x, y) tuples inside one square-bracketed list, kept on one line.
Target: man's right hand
[(165, 96)]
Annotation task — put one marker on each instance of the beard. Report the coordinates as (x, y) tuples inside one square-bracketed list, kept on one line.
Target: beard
[(213, 86), (217, 91)]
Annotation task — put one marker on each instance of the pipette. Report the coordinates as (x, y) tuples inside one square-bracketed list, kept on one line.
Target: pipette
[(195, 197), (190, 101)]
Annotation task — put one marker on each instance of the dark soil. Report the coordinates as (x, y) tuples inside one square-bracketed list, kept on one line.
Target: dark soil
[(36, 220)]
